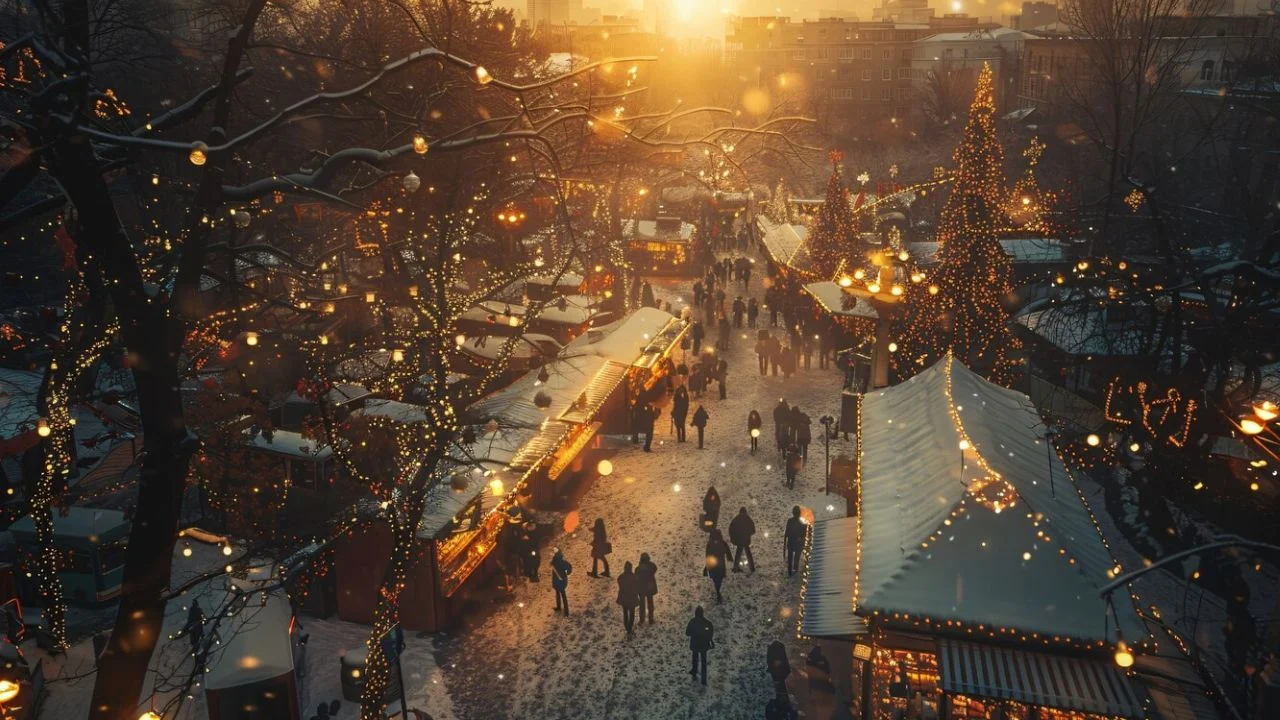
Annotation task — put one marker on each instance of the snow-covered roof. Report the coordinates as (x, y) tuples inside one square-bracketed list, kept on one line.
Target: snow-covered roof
[(1002, 34), (514, 406), (18, 390), (395, 410), (1021, 251), (838, 302), (488, 347), (1083, 329), (565, 280), (785, 243), (293, 444), (626, 340), (570, 314), (649, 230), (256, 642), (936, 546), (492, 452), (828, 601), (341, 394), (93, 524)]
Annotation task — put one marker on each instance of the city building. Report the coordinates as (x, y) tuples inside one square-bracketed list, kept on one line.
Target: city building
[(1035, 14), (959, 56)]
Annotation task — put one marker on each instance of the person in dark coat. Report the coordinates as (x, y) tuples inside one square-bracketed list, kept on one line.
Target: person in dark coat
[(745, 274), (717, 560), (649, 417), (697, 293), (561, 569), (720, 300), (787, 361), (698, 379), (600, 548), (793, 422), (779, 670), (646, 295), (806, 351), (753, 312), (628, 598), (194, 627), (771, 300), (791, 462), (646, 585), (701, 639), (700, 418), (530, 556), (697, 333), (782, 424), (739, 309), (680, 411), (763, 346), (741, 528), (819, 670), (725, 332), (775, 355), (722, 377), (826, 342), (804, 434), (793, 540), (711, 505), (754, 423)]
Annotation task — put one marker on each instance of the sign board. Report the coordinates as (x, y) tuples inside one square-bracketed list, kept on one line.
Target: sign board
[(392, 642), (862, 651)]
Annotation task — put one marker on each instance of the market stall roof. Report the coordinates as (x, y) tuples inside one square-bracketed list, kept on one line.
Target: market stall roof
[(528, 345), (341, 394), (631, 339), (1021, 251), (785, 243), (565, 280), (1084, 329), (677, 230), (836, 301), (940, 541), (514, 404), (596, 393), (256, 642), (293, 444), (501, 312), (94, 524), (828, 602), (18, 389), (400, 412)]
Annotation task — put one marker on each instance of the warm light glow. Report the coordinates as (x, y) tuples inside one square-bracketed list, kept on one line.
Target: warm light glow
[(933, 289), (197, 156), (397, 355), (496, 487), (873, 287), (513, 321), (482, 76), (1249, 426), (460, 340), (370, 296), (1093, 440), (251, 338), (895, 290), (859, 274), (1134, 447), (420, 144), (845, 281), (964, 445), (1123, 656), (8, 690), (42, 428), (226, 549), (893, 347), (605, 468), (1266, 410), (755, 432)]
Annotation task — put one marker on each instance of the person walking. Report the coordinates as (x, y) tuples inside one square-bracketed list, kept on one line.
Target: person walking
[(762, 354), (741, 528), (529, 553), (561, 569), (194, 627), (779, 669), (646, 295), (771, 300), (649, 417), (628, 598), (753, 312), (722, 377), (821, 689), (700, 418), (720, 296), (745, 274), (791, 461), (775, 355), (793, 540), (782, 424), (600, 549), (717, 561), (787, 359), (697, 332), (739, 309), (826, 340), (701, 639), (754, 423), (711, 506), (680, 411), (806, 351), (725, 333), (697, 293), (804, 434), (646, 585)]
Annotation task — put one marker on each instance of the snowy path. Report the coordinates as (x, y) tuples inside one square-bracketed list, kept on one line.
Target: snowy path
[(526, 661)]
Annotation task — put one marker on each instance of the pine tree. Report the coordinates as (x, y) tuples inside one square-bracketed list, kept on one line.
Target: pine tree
[(779, 207), (833, 233), (960, 309)]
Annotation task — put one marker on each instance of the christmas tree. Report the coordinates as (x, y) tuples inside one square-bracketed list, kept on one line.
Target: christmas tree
[(778, 208), (832, 235), (960, 309)]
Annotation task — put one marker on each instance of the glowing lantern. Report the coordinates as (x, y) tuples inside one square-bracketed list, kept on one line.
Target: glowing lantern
[(859, 274), (1093, 440), (1249, 426), (895, 290), (413, 291), (1267, 411), (226, 549), (1123, 656), (397, 355), (411, 182), (370, 296), (186, 550), (755, 432), (482, 76), (197, 156), (251, 338), (496, 487), (42, 428), (845, 281), (241, 218), (420, 144), (873, 287), (605, 468)]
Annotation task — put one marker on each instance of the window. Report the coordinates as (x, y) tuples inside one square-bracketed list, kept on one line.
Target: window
[(886, 54), (1227, 67), (846, 53), (904, 73), (886, 96), (886, 73), (866, 76), (866, 94), (797, 54), (841, 93), (866, 53), (947, 53), (1206, 70)]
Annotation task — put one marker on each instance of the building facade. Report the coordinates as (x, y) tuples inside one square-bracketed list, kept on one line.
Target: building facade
[(950, 62)]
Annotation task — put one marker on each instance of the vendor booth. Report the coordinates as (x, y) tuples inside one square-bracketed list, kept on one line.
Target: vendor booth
[(967, 584), (92, 543), (664, 246), (642, 340)]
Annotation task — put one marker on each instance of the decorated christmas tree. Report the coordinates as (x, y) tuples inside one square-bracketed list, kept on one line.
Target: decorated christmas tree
[(832, 235), (1029, 206), (960, 308), (778, 208)]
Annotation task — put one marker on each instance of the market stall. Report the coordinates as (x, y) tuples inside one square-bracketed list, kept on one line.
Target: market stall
[(641, 341), (969, 585), (91, 543), (664, 246)]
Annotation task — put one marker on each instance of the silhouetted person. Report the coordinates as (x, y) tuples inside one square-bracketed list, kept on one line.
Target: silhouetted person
[(697, 332), (680, 412), (779, 669), (739, 309), (648, 417), (781, 424), (717, 560), (646, 295), (194, 626), (561, 569), (794, 540), (722, 377), (754, 423), (628, 597), (819, 669), (701, 639), (600, 549), (804, 434), (711, 506), (763, 348), (725, 332), (791, 462), (700, 417), (753, 312), (530, 556), (741, 528), (646, 585)]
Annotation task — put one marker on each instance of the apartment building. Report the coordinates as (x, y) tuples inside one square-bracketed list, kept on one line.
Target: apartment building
[(848, 73), (962, 54)]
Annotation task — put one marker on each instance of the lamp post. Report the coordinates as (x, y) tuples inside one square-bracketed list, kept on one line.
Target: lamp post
[(827, 421)]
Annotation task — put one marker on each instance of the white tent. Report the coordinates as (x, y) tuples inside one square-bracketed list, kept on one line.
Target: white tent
[(840, 303), (257, 637), (995, 537), (785, 242), (626, 340)]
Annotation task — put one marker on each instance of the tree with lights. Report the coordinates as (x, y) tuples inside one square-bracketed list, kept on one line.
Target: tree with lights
[(778, 209), (833, 232), (961, 309)]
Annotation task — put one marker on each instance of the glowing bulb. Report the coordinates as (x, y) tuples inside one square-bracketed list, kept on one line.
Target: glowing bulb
[(1026, 556), (513, 321), (845, 281), (482, 76), (251, 338), (895, 290), (370, 296), (964, 445), (42, 428), (420, 144), (1123, 656), (755, 432), (893, 347), (186, 551), (1134, 447), (873, 287), (495, 486), (413, 291), (226, 549), (1249, 426), (904, 255), (605, 468), (397, 355), (1267, 410), (197, 156), (149, 715), (460, 340), (859, 274), (1093, 440), (933, 289)]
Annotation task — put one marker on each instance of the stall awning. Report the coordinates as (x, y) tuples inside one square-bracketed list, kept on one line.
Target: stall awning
[(597, 391), (1066, 683), (828, 599)]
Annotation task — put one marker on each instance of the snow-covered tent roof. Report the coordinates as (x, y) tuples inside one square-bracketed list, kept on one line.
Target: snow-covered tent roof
[(1021, 251), (828, 601), (256, 639), (630, 339), (293, 444), (492, 452), (527, 346), (94, 524), (939, 543), (838, 302), (394, 410), (1083, 329), (514, 406), (570, 314), (18, 389), (341, 394), (652, 230), (785, 243)]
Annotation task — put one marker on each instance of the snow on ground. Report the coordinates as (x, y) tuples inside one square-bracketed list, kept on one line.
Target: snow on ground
[(523, 660)]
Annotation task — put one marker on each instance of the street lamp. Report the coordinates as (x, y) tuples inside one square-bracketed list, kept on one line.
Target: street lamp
[(827, 421)]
